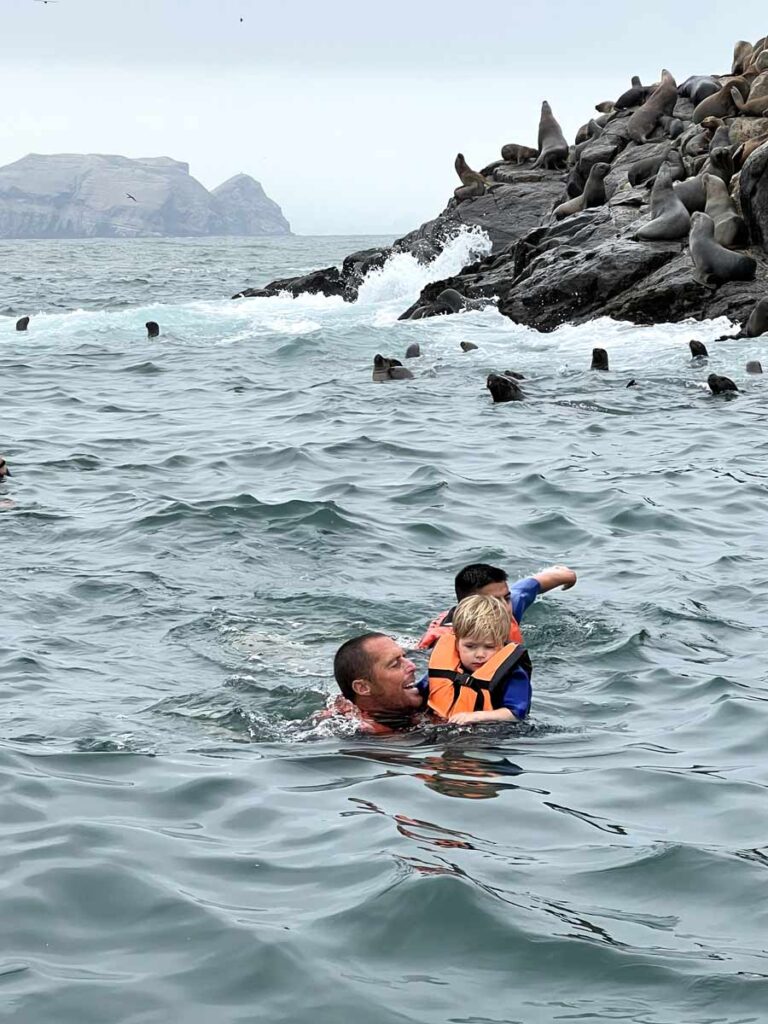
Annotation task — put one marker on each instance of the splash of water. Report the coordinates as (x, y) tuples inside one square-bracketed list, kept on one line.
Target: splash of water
[(402, 277)]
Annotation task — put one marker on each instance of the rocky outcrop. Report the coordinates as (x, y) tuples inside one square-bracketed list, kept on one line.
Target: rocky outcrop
[(545, 272), (93, 196), (245, 208)]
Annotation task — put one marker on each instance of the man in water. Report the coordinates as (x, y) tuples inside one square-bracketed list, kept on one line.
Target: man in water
[(379, 683)]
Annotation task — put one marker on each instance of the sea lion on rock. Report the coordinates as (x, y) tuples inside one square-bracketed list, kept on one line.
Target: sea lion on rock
[(698, 350), (742, 55), (389, 369), (574, 186), (758, 320), (720, 103), (606, 107), (720, 163), (646, 168), (746, 149), (467, 346), (451, 301), (670, 219), (593, 194), (413, 351), (153, 329), (698, 88), (553, 149), (753, 366), (757, 107), (504, 388), (714, 265), (467, 175), (730, 229), (22, 324), (661, 101), (514, 154), (635, 96), (599, 359), (720, 385)]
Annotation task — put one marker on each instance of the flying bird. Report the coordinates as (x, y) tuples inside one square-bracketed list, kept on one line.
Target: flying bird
[(128, 194), (46, 1)]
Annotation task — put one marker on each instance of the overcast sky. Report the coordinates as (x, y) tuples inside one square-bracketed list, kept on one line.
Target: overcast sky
[(349, 115)]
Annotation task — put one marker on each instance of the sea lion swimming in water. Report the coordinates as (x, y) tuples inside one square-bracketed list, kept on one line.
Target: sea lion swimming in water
[(714, 265), (730, 229), (720, 385), (753, 366), (661, 101), (389, 369), (599, 359), (698, 349), (22, 324), (553, 148), (153, 329), (4, 471), (413, 351), (467, 346), (504, 388), (670, 219)]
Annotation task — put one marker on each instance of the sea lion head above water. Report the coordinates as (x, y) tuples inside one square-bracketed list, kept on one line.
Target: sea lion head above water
[(22, 324), (153, 329), (385, 368)]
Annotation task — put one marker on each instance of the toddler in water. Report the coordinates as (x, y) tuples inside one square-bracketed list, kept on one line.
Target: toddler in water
[(476, 674)]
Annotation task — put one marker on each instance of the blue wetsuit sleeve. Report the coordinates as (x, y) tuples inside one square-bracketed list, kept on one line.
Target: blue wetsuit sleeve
[(522, 595), (517, 693)]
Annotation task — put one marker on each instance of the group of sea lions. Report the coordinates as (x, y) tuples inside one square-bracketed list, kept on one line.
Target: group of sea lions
[(505, 385), (698, 137), (153, 328)]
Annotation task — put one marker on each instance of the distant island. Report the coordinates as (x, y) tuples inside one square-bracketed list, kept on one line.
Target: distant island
[(71, 195)]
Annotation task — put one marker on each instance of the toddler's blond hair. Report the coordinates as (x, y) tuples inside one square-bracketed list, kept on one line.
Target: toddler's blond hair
[(481, 617)]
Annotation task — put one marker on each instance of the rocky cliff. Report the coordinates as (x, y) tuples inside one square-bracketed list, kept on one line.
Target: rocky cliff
[(94, 196), (569, 224)]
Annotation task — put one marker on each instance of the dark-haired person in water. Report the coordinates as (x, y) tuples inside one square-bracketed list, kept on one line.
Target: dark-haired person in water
[(480, 578), (378, 682)]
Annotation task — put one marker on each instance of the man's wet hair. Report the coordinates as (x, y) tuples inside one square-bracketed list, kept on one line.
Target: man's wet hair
[(353, 661), (472, 577)]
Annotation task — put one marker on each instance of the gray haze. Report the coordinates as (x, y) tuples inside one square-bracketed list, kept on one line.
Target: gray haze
[(350, 116)]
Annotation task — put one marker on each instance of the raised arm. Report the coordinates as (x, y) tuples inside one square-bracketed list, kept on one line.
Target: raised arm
[(555, 576)]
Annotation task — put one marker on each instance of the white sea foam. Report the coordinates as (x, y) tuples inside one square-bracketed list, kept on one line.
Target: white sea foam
[(402, 277)]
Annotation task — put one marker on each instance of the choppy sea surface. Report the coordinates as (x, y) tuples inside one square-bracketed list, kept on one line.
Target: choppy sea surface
[(193, 526)]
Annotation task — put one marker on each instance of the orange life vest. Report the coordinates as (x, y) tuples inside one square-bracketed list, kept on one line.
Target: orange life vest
[(452, 689), (443, 626)]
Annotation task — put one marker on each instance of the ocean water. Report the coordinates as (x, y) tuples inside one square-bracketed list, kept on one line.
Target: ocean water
[(193, 526)]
